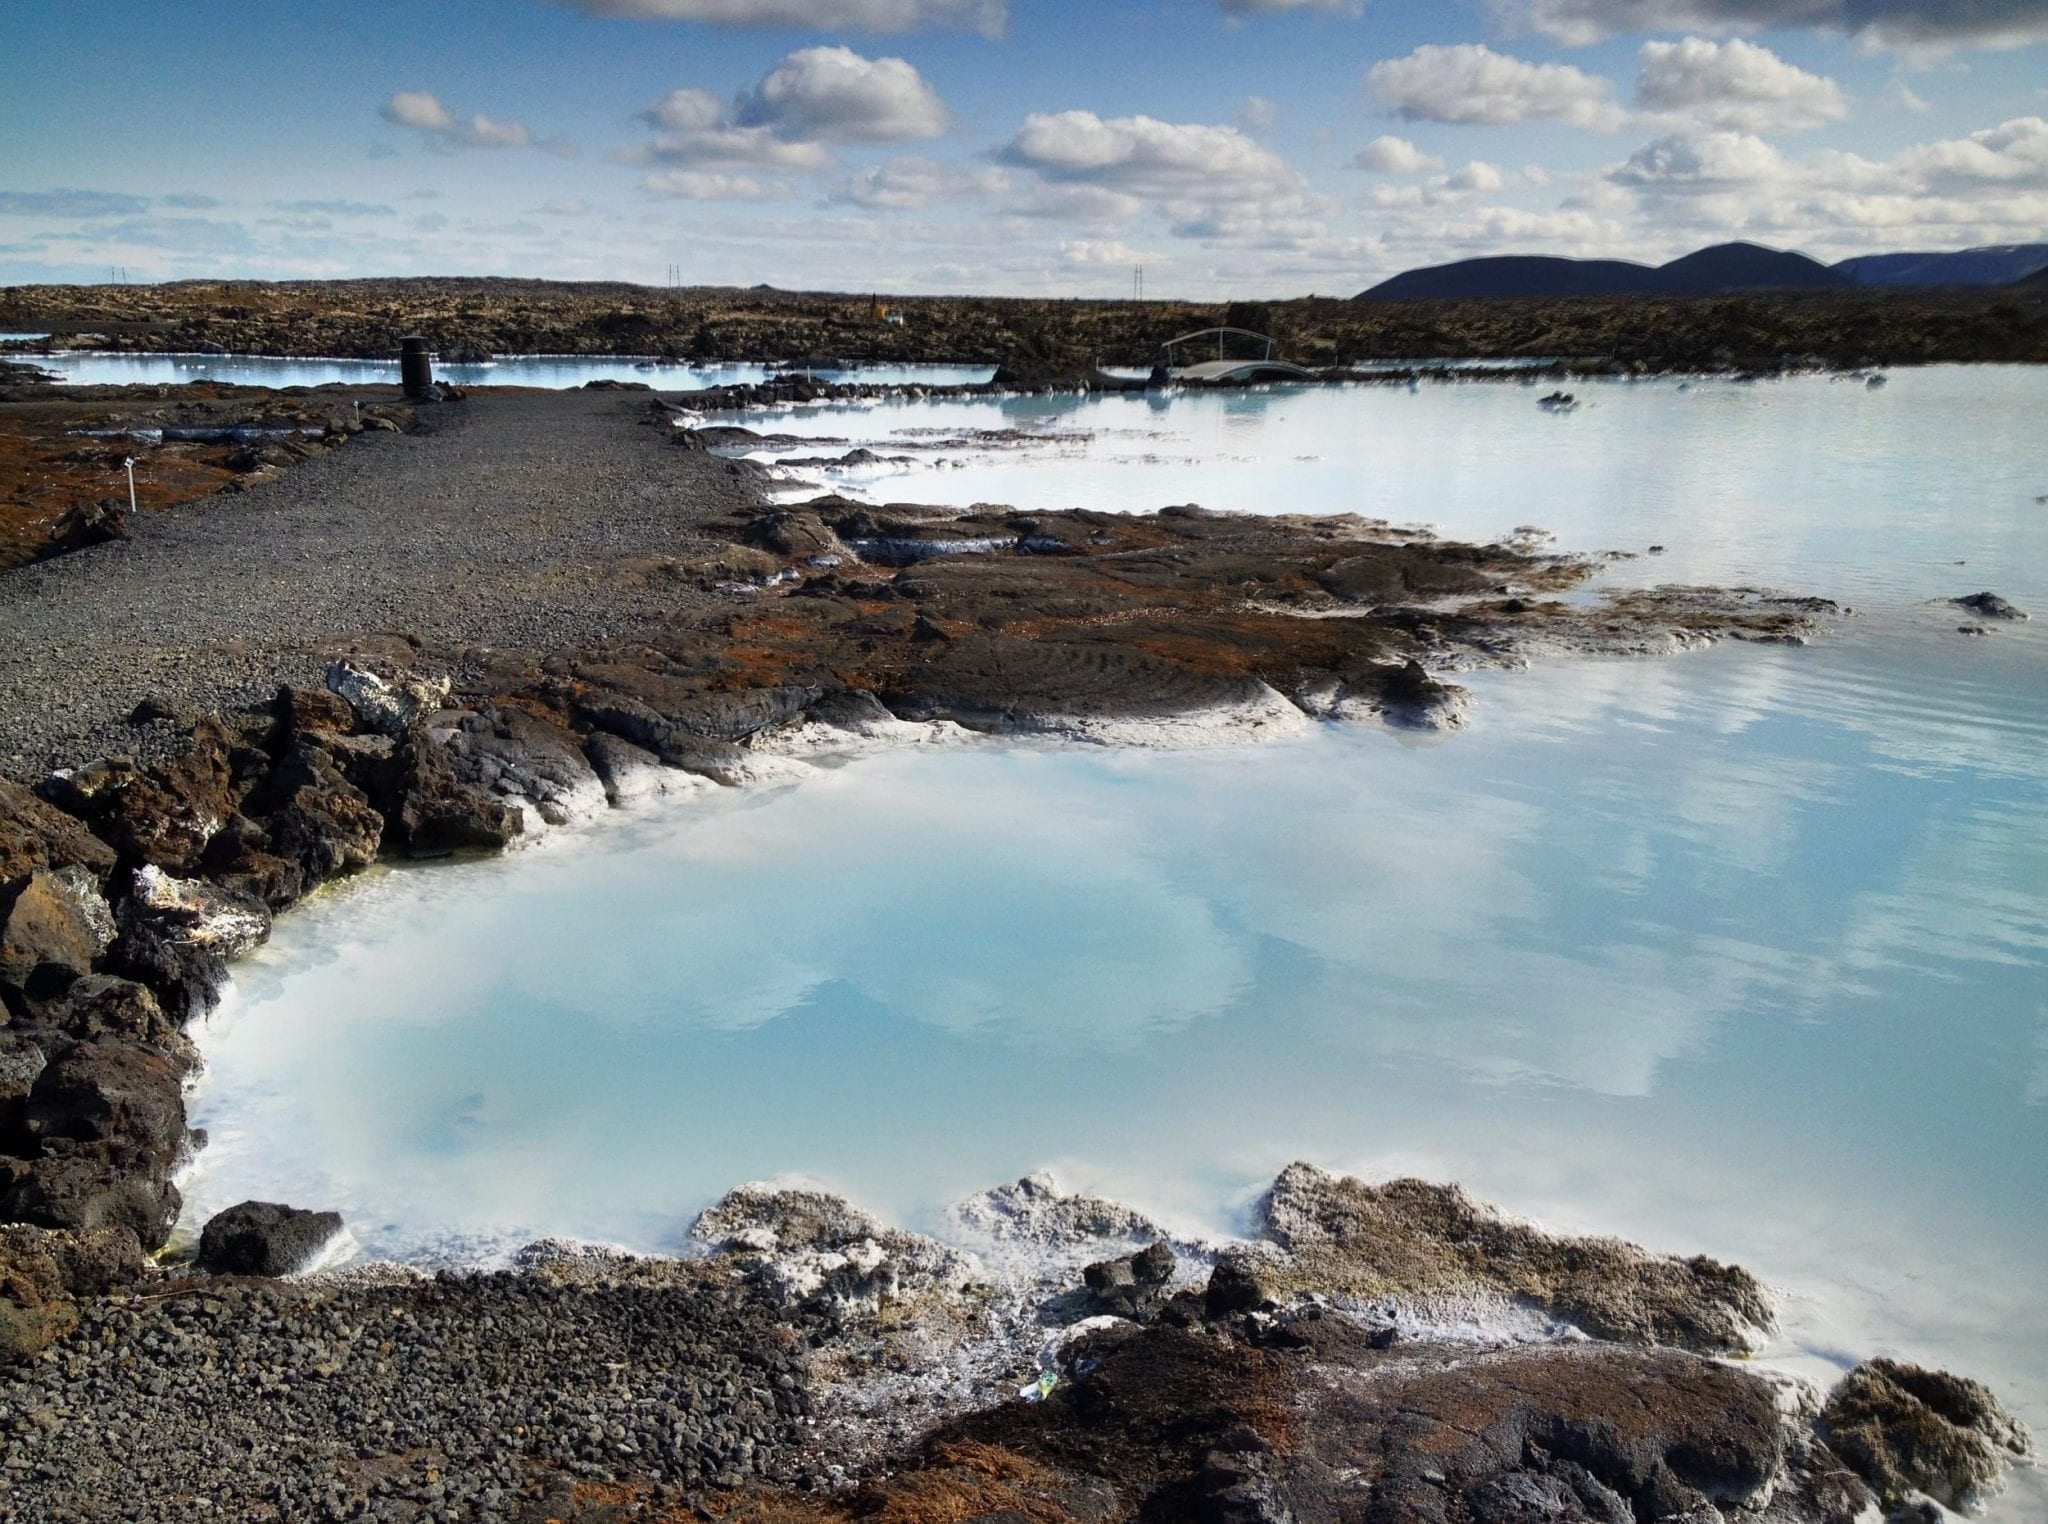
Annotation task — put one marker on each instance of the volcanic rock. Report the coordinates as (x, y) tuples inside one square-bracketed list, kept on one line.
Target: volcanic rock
[(1412, 1242), (36, 835), (1910, 1431), (265, 1238), (53, 926)]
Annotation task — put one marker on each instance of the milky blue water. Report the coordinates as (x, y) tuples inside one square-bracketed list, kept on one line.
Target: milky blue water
[(553, 371), (1743, 952)]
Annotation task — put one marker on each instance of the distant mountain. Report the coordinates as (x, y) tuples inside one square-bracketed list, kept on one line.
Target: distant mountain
[(1725, 267), (1999, 265), (1747, 267), (1519, 275)]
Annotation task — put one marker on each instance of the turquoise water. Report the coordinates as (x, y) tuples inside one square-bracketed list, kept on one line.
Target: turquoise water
[(1743, 952), (552, 371)]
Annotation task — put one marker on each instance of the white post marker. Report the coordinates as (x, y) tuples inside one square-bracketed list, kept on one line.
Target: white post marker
[(130, 464)]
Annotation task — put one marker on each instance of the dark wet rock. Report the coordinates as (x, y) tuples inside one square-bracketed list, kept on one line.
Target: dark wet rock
[(1131, 1285), (91, 1187), (1414, 1242), (105, 1005), (811, 1247), (312, 712), (433, 811), (1410, 696), (1909, 1431), (628, 772), (54, 925), (265, 1238), (178, 935), (534, 765), (113, 1092), (36, 835), (794, 533), (1236, 1285), (1989, 606), (163, 814)]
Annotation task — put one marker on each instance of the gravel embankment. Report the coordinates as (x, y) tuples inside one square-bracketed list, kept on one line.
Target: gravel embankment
[(456, 1399), (509, 520)]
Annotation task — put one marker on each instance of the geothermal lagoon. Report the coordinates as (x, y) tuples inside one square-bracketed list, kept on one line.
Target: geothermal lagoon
[(1742, 951)]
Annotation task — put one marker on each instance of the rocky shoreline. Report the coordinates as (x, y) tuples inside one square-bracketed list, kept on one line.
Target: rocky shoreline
[(1307, 1377), (473, 319)]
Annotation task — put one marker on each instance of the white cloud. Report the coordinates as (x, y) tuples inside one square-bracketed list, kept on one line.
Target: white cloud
[(1909, 25), (1395, 156), (1469, 82), (1700, 161), (984, 16), (1734, 85), (909, 183), (702, 185), (729, 148), (422, 112), (685, 111), (1140, 156), (836, 95), (1478, 176)]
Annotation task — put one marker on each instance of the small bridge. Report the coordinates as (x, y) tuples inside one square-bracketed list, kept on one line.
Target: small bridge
[(1180, 358)]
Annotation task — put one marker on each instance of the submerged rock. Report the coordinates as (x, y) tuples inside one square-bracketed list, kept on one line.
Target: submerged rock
[(1989, 606), (266, 1238), (1432, 1245), (1910, 1431)]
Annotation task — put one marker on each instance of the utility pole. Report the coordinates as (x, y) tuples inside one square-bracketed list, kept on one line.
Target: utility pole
[(1138, 284)]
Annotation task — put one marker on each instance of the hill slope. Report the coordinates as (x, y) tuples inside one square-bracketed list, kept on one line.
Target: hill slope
[(1724, 267), (1999, 265)]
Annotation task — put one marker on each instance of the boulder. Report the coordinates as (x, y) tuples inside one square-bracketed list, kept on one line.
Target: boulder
[(129, 1097), (36, 835), (265, 1238), (35, 1309), (533, 764), (1034, 1210), (1132, 1285), (105, 1005), (53, 927), (89, 1188), (434, 811), (164, 814), (1909, 1431), (1434, 1246), (1235, 1285), (305, 712), (386, 705), (1989, 605), (313, 816), (813, 1248), (177, 936)]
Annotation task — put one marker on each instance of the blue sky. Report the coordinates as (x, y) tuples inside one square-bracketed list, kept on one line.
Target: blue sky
[(1233, 147)]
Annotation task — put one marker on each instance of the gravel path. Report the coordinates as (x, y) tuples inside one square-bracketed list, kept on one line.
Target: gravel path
[(520, 520), (453, 1399)]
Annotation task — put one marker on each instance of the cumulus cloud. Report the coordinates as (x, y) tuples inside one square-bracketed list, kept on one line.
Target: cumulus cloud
[(1469, 82), (1734, 85), (835, 95), (704, 185), (1902, 24), (1988, 187), (422, 112), (984, 16), (1395, 156), (1144, 157), (909, 183), (70, 203), (812, 99)]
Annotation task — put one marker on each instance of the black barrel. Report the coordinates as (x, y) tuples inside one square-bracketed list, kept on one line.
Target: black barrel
[(415, 368)]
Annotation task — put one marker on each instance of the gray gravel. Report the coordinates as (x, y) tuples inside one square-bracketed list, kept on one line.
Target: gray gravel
[(509, 520), (454, 1399)]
